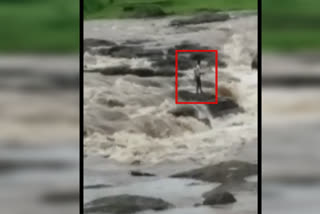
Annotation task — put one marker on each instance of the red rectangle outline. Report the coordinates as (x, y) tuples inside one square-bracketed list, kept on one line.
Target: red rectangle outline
[(216, 76)]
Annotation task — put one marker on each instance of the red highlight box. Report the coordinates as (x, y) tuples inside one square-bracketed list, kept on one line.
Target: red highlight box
[(216, 76)]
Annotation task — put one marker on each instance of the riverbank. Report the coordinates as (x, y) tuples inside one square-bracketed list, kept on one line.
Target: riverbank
[(39, 27), (104, 9)]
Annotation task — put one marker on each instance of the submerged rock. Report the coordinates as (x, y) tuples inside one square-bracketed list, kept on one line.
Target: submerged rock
[(184, 111), (136, 41), (188, 111), (208, 57), (124, 51), (125, 204), (219, 198), (233, 188), (224, 107), (201, 18), (151, 53), (192, 57), (110, 102), (139, 173), (224, 172), (184, 63), (92, 43), (141, 72), (184, 95)]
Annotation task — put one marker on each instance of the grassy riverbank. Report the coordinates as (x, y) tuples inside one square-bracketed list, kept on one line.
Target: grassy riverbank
[(129, 8), (290, 25), (39, 26)]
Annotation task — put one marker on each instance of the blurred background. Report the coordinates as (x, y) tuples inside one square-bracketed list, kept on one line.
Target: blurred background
[(290, 106), (39, 106)]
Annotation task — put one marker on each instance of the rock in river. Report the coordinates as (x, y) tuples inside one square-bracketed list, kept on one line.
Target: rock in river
[(225, 105), (224, 172), (201, 18), (184, 111), (92, 43), (125, 204), (219, 198), (141, 72)]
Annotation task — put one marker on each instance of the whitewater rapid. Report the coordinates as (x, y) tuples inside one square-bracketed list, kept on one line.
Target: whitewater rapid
[(142, 129)]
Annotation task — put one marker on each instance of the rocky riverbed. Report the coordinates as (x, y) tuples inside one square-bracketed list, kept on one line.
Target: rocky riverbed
[(146, 154)]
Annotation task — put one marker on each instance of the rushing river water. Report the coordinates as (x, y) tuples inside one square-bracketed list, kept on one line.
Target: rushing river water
[(141, 130)]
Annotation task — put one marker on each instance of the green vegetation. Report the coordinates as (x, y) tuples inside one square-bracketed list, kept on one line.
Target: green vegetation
[(39, 26), (132, 8), (290, 25)]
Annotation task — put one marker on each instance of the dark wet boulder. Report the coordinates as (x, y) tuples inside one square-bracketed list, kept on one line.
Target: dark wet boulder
[(203, 56), (105, 51), (224, 107), (125, 204), (184, 95), (129, 51), (136, 41), (208, 57), (116, 70), (184, 62), (141, 72), (93, 43), (187, 45), (114, 103), (123, 70), (125, 51), (97, 42), (224, 91), (201, 18), (110, 102), (166, 72), (150, 53), (224, 172), (190, 58), (188, 111), (184, 111), (141, 174), (161, 62), (254, 63), (219, 198)]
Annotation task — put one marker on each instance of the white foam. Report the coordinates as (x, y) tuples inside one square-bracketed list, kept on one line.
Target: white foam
[(177, 138)]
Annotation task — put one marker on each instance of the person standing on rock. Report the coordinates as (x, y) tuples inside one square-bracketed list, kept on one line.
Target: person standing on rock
[(197, 77)]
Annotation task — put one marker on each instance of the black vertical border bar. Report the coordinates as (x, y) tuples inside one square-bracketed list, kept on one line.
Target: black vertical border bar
[(259, 140), (81, 155)]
